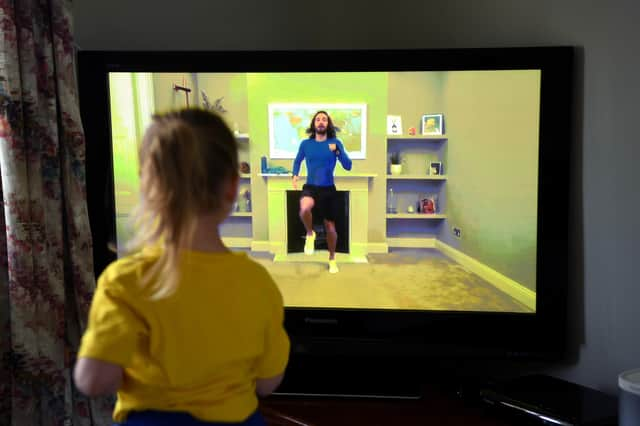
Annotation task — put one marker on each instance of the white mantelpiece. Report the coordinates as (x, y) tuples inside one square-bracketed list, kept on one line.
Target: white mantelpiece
[(358, 187)]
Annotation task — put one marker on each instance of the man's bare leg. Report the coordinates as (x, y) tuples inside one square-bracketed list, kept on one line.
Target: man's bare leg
[(306, 204), (332, 241), (332, 238)]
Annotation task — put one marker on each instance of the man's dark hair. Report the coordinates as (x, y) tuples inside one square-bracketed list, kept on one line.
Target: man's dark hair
[(331, 129)]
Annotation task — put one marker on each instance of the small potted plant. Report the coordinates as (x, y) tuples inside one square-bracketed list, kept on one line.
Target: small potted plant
[(396, 166)]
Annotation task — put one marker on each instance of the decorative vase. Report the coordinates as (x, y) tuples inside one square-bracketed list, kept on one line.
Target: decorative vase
[(396, 169)]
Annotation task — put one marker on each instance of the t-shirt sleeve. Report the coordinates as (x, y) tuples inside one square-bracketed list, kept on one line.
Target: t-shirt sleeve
[(276, 350), (114, 328)]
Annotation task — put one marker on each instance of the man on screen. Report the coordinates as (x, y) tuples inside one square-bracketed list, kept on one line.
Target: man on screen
[(321, 152)]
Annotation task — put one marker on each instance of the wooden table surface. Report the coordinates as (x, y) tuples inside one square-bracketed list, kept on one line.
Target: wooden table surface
[(434, 408)]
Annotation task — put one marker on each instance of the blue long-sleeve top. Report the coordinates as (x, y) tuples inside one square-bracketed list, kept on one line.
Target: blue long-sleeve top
[(321, 161)]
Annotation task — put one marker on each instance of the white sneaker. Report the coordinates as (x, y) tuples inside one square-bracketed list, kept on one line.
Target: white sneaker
[(333, 267), (310, 244)]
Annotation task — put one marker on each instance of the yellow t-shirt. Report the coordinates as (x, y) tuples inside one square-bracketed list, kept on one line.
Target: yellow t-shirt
[(199, 350)]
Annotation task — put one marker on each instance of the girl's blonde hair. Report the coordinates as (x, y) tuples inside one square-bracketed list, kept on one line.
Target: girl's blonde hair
[(186, 158)]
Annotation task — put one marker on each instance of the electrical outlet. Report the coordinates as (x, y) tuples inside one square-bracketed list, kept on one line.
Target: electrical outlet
[(456, 232)]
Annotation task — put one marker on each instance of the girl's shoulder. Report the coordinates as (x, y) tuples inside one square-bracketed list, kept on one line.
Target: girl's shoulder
[(128, 270), (252, 266), (259, 275)]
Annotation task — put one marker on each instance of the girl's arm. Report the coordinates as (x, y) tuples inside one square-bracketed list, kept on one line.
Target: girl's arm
[(271, 365), (265, 387), (113, 333), (94, 377)]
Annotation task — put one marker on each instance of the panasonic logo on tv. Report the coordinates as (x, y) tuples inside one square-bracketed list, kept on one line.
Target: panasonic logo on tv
[(326, 321)]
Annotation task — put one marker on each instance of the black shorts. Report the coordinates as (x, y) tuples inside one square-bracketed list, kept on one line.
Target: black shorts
[(326, 201)]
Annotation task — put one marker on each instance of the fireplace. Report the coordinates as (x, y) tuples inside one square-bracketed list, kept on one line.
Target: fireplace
[(354, 234)]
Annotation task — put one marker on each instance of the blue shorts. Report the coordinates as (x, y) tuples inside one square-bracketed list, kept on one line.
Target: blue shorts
[(170, 418)]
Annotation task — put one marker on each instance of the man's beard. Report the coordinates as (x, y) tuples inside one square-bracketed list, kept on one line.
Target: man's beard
[(321, 131)]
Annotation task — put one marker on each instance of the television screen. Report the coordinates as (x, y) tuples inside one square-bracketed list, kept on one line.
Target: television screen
[(451, 202), (437, 211)]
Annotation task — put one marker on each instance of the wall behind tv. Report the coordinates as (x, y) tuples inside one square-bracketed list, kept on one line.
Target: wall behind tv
[(605, 199)]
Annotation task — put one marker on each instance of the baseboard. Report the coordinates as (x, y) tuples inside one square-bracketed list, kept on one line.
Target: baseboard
[(514, 289), (260, 246), (411, 242), (237, 242)]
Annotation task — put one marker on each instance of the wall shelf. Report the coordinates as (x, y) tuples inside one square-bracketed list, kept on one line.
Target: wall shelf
[(416, 177), (410, 229), (417, 138)]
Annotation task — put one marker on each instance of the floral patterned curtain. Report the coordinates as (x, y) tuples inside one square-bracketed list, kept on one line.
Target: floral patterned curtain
[(46, 269)]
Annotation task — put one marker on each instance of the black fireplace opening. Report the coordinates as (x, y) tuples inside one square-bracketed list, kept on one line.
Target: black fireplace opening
[(296, 232)]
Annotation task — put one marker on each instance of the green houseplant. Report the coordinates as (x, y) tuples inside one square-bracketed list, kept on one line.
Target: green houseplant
[(396, 165)]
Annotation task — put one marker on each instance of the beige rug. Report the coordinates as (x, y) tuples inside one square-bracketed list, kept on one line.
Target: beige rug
[(410, 279)]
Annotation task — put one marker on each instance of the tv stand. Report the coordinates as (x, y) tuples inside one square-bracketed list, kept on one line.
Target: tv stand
[(552, 400), (527, 400), (436, 405)]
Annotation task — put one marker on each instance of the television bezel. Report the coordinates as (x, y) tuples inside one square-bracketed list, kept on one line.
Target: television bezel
[(360, 332)]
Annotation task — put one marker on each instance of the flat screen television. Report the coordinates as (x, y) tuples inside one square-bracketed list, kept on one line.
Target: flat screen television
[(452, 225)]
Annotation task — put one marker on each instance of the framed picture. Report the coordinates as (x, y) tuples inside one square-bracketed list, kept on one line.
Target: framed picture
[(435, 168), (429, 205), (288, 123), (394, 125), (432, 124)]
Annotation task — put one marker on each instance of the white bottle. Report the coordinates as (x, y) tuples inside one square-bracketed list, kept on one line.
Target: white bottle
[(391, 201)]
